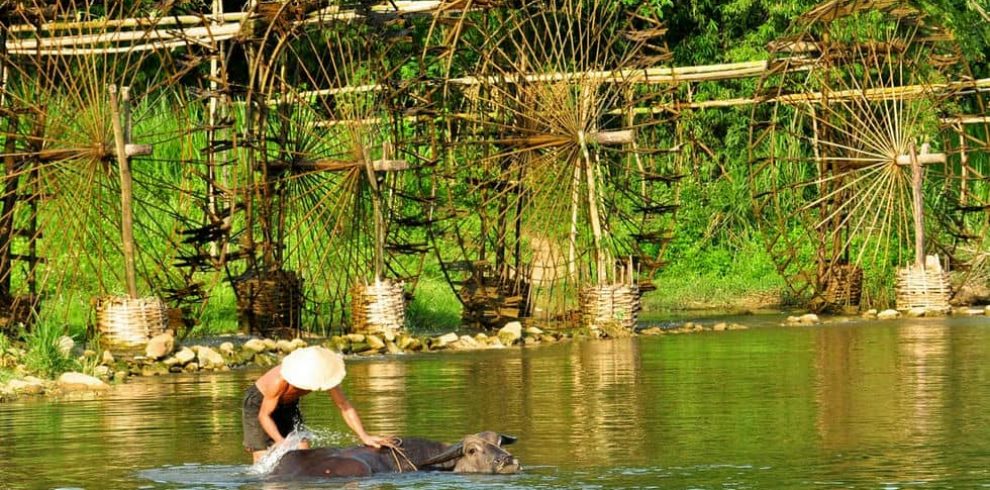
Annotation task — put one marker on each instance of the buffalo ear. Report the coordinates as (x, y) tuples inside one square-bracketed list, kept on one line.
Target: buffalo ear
[(505, 440)]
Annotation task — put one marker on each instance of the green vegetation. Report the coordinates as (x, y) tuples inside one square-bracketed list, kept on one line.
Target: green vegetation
[(717, 257)]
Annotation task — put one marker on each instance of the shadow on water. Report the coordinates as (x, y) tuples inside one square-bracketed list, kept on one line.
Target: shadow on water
[(902, 404)]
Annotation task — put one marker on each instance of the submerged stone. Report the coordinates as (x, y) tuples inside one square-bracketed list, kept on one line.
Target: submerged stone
[(510, 333), (185, 355), (160, 346), (888, 315), (72, 381), (255, 345)]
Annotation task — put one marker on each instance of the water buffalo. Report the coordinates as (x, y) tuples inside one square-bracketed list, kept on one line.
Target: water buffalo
[(476, 453)]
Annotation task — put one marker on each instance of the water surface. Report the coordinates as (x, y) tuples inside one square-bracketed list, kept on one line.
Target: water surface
[(880, 405)]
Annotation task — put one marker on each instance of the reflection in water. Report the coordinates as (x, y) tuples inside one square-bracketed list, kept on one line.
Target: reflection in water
[(836, 406), (605, 400), (383, 385)]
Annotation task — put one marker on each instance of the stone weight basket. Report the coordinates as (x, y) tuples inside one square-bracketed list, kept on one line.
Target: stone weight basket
[(610, 307), (125, 321), (845, 286), (378, 308), (923, 287), (270, 303)]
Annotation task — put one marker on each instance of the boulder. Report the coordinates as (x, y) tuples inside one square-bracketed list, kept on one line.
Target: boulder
[(510, 333), (209, 358), (405, 341), (192, 367), (185, 356), (809, 319), (355, 337), (255, 345), (737, 326), (227, 348), (264, 360), (269, 344), (103, 372), (392, 348), (652, 331), (160, 346), (299, 343), (72, 381), (720, 327), (530, 341), (469, 342), (533, 331), (285, 346), (888, 315), (65, 345), (107, 358), (375, 342), (442, 341), (915, 313), (870, 314), (27, 386), (389, 335)]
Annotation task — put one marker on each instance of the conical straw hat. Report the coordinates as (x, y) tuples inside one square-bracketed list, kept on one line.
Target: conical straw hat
[(313, 368)]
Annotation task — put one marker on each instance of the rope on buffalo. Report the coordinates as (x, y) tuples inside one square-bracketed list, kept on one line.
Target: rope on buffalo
[(396, 452)]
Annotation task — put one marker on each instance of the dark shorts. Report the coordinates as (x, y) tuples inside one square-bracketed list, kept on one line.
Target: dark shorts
[(286, 418)]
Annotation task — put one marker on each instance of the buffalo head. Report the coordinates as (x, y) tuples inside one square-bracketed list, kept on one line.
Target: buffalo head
[(479, 453)]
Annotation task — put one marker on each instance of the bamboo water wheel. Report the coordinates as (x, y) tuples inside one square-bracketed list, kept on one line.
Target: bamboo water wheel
[(94, 131), (338, 185), (861, 159), (551, 179)]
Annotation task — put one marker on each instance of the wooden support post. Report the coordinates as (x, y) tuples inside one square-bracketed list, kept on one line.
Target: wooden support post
[(126, 191), (917, 177), (379, 252)]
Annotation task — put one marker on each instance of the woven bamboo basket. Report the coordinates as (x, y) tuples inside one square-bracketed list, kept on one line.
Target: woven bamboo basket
[(926, 287), (844, 286), (610, 307), (130, 322), (270, 304), (378, 308)]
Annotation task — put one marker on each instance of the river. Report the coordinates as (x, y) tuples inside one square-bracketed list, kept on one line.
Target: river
[(876, 405)]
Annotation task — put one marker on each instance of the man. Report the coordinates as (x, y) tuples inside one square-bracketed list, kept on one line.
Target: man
[(271, 404)]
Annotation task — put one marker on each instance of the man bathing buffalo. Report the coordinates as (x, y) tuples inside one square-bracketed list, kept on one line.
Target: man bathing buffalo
[(271, 404)]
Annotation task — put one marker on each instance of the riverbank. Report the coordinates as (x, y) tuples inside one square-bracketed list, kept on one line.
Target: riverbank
[(163, 355)]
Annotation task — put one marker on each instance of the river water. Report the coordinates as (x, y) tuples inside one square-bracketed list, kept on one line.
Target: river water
[(881, 405)]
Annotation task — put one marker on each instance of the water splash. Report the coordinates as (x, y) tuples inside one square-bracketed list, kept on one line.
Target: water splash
[(291, 442)]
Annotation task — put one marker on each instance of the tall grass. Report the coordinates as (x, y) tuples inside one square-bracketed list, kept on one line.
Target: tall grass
[(44, 357)]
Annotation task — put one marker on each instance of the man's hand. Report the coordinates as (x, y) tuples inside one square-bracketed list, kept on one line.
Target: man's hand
[(378, 441)]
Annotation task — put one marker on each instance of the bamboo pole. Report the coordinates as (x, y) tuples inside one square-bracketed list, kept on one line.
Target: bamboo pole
[(332, 13), (126, 191), (919, 209), (211, 132)]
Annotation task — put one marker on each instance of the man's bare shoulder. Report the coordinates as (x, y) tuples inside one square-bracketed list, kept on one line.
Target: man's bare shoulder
[(272, 384)]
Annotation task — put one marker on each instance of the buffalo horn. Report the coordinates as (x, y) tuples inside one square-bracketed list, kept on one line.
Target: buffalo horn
[(452, 452), (505, 440)]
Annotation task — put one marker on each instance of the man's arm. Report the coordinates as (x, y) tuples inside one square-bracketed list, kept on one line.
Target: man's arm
[(265, 411), (353, 420)]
